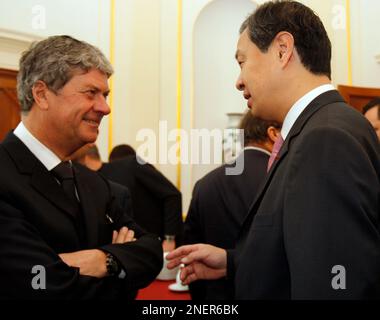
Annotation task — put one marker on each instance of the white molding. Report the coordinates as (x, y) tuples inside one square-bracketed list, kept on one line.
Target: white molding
[(19, 37), (12, 44)]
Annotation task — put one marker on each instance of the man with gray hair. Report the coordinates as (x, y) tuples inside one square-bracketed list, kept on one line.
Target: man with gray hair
[(62, 234)]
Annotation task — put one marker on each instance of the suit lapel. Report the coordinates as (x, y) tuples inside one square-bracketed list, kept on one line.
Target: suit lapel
[(41, 179), (88, 209), (319, 102)]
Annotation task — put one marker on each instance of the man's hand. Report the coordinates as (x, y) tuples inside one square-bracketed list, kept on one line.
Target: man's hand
[(124, 235), (201, 262), (90, 262), (93, 262)]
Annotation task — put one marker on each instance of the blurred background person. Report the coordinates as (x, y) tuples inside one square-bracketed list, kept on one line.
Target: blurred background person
[(372, 112), (220, 202), (156, 202), (89, 157), (121, 151)]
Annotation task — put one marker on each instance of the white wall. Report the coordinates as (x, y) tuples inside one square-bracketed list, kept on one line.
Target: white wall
[(71, 17), (365, 42), (199, 109), (216, 32), (168, 73), (36, 19), (146, 65), (137, 65)]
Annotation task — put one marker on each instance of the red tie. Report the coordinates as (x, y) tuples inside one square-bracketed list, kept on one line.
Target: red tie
[(276, 150)]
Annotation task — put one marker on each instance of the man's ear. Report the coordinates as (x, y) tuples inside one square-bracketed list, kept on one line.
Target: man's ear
[(284, 47), (40, 94), (273, 133)]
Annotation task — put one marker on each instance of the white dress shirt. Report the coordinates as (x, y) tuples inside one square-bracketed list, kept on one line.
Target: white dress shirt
[(296, 110), (48, 158)]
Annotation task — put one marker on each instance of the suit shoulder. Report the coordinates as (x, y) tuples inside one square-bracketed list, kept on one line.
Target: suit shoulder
[(3, 154), (256, 159), (342, 143), (256, 155), (341, 116), (211, 178), (338, 111), (7, 166)]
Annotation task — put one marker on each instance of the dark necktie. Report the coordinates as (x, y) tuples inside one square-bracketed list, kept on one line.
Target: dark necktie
[(65, 175), (276, 150)]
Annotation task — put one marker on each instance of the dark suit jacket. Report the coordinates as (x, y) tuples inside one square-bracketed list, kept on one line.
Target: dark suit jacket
[(37, 223), (219, 205), (156, 202), (318, 208)]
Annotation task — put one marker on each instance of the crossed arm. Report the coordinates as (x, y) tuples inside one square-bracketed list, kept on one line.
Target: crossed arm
[(93, 262)]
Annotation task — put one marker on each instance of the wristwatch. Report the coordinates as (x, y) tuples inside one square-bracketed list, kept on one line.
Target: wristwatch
[(113, 267)]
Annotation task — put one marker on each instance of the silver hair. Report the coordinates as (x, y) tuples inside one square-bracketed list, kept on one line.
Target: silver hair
[(54, 61)]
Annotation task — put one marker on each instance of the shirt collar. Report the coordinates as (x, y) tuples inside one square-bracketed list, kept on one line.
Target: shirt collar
[(48, 158), (257, 149), (296, 110)]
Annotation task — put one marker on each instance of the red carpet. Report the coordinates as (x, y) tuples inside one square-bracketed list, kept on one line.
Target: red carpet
[(158, 290)]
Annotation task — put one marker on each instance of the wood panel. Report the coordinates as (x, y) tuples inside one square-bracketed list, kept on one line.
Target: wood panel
[(9, 107), (358, 97)]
